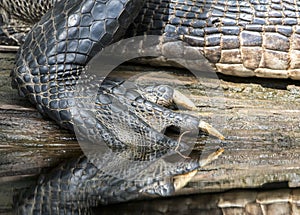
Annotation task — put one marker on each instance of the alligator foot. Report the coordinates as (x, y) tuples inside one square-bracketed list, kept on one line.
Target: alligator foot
[(167, 96), (209, 129)]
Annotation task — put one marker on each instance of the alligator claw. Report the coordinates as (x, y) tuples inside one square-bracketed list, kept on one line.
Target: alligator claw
[(179, 181), (183, 101), (209, 129), (166, 96), (213, 156)]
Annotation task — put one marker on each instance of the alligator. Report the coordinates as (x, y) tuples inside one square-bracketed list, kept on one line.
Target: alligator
[(242, 38)]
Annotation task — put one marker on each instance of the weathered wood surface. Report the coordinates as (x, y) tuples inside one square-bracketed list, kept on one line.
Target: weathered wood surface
[(259, 118)]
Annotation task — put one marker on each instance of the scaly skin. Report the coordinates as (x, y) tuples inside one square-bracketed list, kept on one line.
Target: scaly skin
[(48, 66), (241, 38), (256, 38)]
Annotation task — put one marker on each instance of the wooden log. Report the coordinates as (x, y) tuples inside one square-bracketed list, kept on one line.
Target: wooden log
[(259, 118)]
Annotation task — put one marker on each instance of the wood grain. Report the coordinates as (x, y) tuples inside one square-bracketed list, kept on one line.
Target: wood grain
[(259, 118)]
